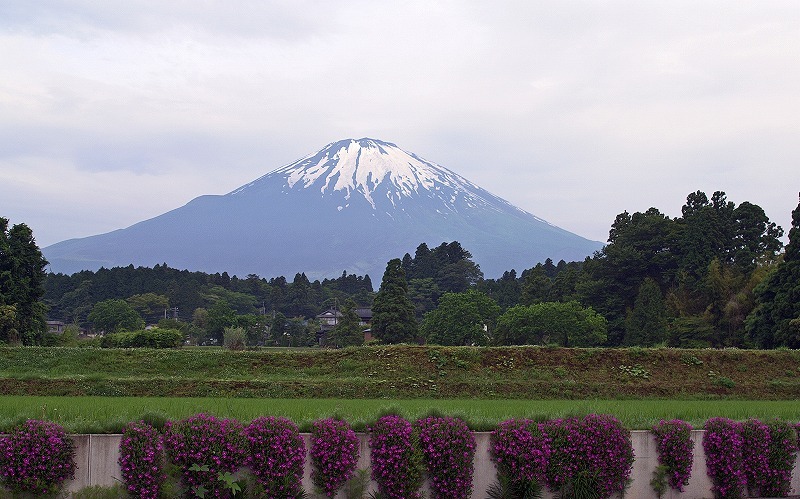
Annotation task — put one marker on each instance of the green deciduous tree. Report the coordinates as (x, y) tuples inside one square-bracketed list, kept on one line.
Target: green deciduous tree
[(461, 319), (565, 324), (220, 316), (149, 305), (112, 316), (255, 328), (393, 319)]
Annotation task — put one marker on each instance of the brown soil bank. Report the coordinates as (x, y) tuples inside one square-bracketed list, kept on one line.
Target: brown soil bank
[(405, 372)]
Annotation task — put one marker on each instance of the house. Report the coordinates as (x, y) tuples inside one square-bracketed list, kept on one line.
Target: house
[(365, 314), (55, 327), (329, 318)]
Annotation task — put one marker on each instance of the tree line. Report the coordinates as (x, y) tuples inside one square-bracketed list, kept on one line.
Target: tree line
[(716, 276)]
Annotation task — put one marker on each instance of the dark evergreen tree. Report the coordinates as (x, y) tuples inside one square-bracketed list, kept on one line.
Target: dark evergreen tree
[(408, 266), (278, 328), (566, 282), (505, 291), (535, 286), (21, 285), (423, 265), (424, 294), (393, 319), (718, 229), (455, 270), (550, 270), (646, 325), (639, 246), (776, 318)]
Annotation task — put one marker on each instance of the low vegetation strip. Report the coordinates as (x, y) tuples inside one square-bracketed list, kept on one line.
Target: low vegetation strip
[(403, 371), (111, 414)]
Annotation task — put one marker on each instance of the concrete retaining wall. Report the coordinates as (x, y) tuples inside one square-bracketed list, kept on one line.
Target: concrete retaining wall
[(97, 465)]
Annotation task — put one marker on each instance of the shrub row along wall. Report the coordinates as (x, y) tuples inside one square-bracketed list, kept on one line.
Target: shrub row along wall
[(97, 457)]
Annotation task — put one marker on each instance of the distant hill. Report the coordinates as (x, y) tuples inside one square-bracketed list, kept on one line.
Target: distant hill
[(353, 206)]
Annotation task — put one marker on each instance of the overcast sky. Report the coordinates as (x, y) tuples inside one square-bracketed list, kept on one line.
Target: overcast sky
[(113, 112)]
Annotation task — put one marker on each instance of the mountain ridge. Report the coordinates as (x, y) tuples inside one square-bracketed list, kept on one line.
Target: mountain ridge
[(353, 205)]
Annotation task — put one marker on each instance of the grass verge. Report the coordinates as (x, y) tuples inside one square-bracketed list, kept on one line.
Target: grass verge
[(403, 372), (110, 414)]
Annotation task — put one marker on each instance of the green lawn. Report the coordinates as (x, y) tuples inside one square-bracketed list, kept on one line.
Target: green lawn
[(109, 414)]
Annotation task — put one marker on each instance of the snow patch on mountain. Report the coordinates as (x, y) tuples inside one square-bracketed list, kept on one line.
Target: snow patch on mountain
[(368, 166)]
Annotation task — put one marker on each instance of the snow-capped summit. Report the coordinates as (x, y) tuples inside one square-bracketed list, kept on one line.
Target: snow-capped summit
[(376, 170), (353, 205), (381, 173)]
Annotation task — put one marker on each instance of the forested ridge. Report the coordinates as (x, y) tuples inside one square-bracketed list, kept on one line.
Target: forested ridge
[(716, 276)]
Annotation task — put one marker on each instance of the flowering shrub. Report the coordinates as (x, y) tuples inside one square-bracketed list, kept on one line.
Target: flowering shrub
[(334, 455), (395, 459), (755, 450), (277, 455), (779, 460), (448, 450), (675, 446), (593, 454), (141, 459), (797, 434), (36, 457), (520, 450), (722, 443), (205, 448)]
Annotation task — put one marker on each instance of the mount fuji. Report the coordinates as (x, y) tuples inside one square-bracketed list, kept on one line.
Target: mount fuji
[(352, 206)]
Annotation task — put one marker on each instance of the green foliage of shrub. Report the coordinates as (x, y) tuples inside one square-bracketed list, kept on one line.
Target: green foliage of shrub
[(147, 338), (234, 338)]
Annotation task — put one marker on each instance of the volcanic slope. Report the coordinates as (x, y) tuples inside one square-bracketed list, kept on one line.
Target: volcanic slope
[(351, 206)]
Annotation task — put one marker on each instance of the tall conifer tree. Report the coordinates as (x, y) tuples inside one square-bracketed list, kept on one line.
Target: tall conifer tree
[(393, 319)]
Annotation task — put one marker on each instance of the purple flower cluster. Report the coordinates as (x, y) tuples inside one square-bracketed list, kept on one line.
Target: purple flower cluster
[(722, 443), (755, 450), (675, 447), (334, 455), (797, 434), (448, 451), (203, 441), (768, 454), (36, 457), (277, 455), (141, 459), (520, 450), (395, 459), (596, 450)]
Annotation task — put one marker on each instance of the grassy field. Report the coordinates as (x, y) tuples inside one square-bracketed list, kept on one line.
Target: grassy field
[(100, 390), (404, 372), (110, 414)]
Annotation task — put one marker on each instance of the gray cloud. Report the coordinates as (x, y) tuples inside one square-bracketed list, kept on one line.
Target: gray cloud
[(575, 111)]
